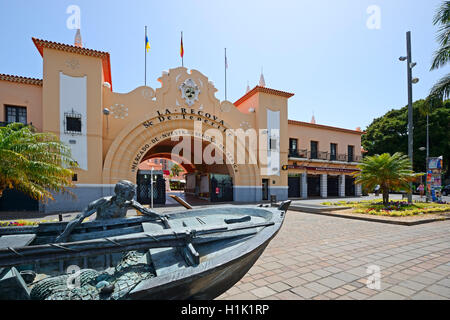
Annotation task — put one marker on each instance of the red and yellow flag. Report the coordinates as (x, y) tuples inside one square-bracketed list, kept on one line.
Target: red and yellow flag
[(181, 46)]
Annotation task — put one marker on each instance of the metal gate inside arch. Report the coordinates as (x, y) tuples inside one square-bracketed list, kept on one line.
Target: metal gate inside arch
[(144, 189), (221, 188)]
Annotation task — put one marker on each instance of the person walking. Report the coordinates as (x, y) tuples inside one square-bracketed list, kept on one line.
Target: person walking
[(421, 189)]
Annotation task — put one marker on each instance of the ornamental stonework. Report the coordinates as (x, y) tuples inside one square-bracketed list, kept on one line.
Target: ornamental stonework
[(119, 111)]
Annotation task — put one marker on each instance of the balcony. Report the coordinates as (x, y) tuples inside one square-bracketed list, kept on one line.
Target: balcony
[(323, 155), (298, 153)]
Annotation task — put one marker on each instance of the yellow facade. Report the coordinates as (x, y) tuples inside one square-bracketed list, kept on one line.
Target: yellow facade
[(120, 130)]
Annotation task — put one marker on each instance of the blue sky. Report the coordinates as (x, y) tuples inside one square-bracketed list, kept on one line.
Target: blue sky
[(338, 68)]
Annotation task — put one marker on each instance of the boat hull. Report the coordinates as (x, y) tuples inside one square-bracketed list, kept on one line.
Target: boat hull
[(206, 286), (212, 278)]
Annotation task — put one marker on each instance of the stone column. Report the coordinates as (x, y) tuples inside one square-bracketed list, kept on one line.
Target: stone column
[(342, 185), (323, 185), (304, 185), (358, 190)]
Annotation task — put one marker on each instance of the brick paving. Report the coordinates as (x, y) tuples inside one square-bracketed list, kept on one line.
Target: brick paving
[(319, 257)]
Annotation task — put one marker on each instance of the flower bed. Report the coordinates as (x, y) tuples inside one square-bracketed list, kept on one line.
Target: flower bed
[(394, 208), (20, 223)]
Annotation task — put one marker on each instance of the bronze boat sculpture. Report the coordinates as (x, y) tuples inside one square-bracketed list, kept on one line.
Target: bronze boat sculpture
[(190, 254)]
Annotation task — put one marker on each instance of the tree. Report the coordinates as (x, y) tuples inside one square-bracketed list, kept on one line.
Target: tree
[(176, 169), (441, 90), (34, 163), (392, 173), (388, 133)]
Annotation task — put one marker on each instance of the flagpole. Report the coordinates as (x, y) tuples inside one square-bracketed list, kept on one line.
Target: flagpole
[(225, 73), (145, 50)]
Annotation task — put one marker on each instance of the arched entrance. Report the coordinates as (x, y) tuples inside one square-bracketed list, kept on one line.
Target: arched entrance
[(210, 182), (137, 142)]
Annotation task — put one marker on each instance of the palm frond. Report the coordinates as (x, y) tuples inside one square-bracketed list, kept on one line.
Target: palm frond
[(34, 163), (441, 90), (441, 57), (442, 14)]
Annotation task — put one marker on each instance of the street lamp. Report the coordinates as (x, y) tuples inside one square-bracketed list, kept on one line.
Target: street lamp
[(409, 67)]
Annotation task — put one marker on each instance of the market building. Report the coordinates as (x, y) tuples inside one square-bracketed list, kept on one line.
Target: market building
[(111, 134)]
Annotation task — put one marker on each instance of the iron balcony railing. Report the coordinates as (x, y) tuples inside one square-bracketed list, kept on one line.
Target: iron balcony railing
[(323, 155)]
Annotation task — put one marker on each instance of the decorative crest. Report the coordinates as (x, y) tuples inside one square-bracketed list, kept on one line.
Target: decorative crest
[(189, 91)]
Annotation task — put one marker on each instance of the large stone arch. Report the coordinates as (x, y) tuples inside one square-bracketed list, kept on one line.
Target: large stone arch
[(133, 139)]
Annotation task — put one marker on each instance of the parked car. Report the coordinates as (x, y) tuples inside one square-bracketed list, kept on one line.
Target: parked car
[(446, 190)]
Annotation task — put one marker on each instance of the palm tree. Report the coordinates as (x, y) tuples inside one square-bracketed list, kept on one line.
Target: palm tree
[(389, 172), (176, 169), (34, 163), (441, 90)]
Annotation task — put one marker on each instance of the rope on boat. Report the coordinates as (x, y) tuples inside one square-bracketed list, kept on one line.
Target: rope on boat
[(150, 236), (15, 252), (114, 242), (62, 247), (200, 220)]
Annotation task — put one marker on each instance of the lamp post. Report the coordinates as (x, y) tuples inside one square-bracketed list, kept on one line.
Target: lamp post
[(151, 187), (409, 67)]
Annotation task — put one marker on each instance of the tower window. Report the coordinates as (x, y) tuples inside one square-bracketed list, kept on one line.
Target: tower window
[(72, 123)]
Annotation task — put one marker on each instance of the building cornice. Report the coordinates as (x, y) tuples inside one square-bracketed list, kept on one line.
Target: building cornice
[(19, 79), (262, 90)]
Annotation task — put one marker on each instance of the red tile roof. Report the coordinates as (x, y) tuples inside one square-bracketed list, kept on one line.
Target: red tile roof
[(41, 44), (321, 126), (19, 79), (263, 90)]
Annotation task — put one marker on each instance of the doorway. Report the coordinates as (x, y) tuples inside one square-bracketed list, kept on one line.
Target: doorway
[(265, 189), (313, 185)]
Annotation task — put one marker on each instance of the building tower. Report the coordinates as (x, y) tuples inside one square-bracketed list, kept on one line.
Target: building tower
[(262, 82), (78, 42)]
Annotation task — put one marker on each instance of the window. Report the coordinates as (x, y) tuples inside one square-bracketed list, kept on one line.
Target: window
[(72, 123), (333, 151), (273, 144), (16, 114), (293, 144), (314, 149), (75, 177), (350, 153)]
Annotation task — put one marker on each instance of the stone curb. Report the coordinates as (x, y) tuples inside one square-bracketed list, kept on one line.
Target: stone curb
[(370, 219)]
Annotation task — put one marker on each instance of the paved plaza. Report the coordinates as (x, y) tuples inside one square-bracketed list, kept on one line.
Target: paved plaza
[(320, 257)]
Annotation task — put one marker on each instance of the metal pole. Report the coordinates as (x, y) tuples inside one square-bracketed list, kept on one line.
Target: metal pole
[(410, 110), (151, 186), (145, 50), (426, 166), (225, 73)]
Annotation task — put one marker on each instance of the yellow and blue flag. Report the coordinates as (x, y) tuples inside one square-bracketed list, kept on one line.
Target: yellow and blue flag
[(147, 44)]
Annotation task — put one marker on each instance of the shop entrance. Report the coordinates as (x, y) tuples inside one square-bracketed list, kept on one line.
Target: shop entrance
[(294, 187), (349, 186), (313, 185), (333, 186)]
